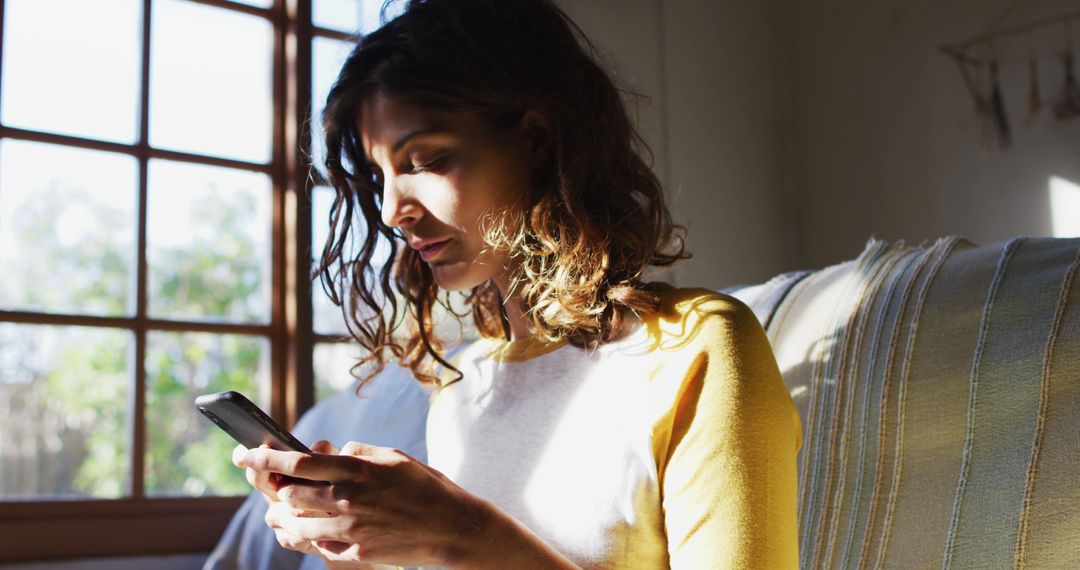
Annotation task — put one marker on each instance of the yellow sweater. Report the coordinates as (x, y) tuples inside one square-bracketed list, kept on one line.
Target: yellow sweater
[(672, 447)]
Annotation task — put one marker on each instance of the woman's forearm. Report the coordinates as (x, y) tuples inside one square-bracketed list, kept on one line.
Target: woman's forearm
[(497, 540)]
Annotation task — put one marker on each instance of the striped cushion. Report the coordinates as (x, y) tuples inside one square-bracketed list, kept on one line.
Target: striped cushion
[(939, 390)]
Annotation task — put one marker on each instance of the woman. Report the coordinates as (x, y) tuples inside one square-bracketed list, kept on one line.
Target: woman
[(601, 421)]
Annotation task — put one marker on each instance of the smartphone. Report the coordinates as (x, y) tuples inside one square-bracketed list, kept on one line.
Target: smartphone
[(246, 423)]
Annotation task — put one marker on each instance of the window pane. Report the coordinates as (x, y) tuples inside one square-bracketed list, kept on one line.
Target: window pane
[(327, 317), (327, 57), (72, 67), (341, 15), (63, 408), (67, 229), (208, 243), (211, 81), (185, 453), (352, 16), (256, 3), (332, 363)]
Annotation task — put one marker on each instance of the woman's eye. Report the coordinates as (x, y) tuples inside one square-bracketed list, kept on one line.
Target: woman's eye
[(431, 164)]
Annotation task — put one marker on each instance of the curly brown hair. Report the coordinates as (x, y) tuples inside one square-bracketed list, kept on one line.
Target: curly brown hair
[(589, 224)]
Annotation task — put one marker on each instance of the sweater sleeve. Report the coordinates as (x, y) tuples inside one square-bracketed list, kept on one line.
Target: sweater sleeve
[(726, 447)]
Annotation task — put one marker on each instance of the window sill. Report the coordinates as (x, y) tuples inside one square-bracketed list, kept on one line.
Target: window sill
[(74, 529)]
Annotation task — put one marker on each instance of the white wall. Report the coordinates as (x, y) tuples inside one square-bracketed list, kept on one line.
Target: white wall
[(885, 137), (725, 85), (710, 70), (789, 131)]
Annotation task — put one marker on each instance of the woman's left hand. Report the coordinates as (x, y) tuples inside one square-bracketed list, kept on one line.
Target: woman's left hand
[(380, 505)]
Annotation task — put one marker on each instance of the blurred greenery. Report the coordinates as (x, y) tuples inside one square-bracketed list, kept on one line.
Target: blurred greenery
[(92, 383), (221, 274), (73, 383), (185, 453), (92, 275), (59, 412)]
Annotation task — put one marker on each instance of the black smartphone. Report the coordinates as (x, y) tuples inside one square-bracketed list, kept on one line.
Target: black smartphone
[(246, 423)]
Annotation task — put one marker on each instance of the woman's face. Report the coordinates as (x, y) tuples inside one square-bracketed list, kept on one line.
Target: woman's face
[(441, 173)]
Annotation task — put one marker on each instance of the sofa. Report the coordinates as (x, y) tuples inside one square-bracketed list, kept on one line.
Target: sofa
[(939, 391)]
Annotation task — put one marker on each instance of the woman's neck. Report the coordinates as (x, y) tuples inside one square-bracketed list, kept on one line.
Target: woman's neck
[(520, 326)]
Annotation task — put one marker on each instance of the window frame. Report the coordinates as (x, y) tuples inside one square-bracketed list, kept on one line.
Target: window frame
[(46, 529)]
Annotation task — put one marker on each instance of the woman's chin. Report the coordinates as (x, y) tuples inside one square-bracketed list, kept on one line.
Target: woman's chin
[(456, 276)]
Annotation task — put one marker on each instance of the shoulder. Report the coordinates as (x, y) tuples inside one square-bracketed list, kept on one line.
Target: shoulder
[(700, 316), (698, 302), (717, 355), (709, 340)]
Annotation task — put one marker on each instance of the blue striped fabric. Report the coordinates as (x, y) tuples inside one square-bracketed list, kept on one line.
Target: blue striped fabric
[(939, 390)]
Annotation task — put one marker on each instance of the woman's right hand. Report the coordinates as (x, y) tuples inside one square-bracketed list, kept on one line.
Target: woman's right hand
[(268, 485), (374, 505)]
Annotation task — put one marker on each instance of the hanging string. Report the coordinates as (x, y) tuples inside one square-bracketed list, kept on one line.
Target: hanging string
[(1068, 106), (968, 69), (973, 73), (985, 100), (997, 104), (1034, 97)]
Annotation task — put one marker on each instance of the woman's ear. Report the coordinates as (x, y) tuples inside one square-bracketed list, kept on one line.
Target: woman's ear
[(537, 137)]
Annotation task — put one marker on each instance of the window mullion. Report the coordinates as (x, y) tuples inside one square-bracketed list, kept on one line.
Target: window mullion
[(138, 399), (300, 383), (293, 384), (279, 333)]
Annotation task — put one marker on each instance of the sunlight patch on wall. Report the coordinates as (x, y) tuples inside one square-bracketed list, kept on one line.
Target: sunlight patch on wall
[(1065, 207)]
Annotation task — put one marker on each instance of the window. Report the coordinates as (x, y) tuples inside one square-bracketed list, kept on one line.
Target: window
[(153, 209)]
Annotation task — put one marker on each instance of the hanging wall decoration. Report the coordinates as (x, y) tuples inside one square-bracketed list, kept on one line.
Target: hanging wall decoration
[(1068, 106), (980, 69)]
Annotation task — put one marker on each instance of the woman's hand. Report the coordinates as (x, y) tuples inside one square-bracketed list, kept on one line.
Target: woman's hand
[(268, 484), (372, 505)]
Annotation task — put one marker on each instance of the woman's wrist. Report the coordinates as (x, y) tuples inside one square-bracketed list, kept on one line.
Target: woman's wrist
[(475, 527), (491, 538)]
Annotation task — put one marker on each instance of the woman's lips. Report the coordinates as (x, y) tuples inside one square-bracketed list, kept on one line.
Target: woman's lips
[(429, 251)]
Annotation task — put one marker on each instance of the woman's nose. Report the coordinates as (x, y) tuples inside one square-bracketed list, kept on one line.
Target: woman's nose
[(399, 208)]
